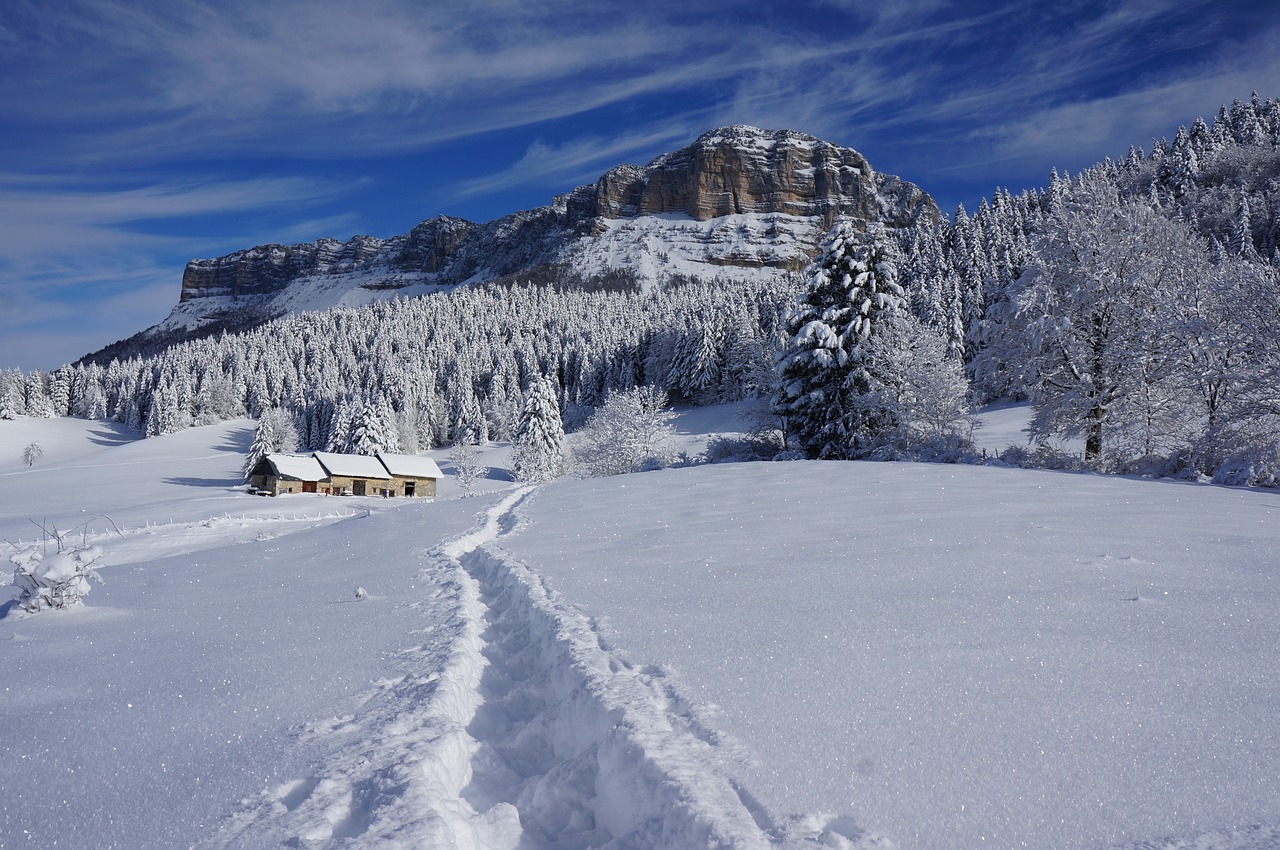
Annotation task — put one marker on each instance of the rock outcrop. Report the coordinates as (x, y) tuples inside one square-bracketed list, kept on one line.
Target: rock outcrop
[(743, 170)]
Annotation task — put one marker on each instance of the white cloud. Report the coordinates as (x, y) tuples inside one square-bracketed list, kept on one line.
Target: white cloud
[(78, 269), (1080, 132), (187, 75), (583, 159)]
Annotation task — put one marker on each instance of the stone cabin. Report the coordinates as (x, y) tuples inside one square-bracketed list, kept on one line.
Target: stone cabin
[(354, 475), (345, 475), (411, 475), (276, 474)]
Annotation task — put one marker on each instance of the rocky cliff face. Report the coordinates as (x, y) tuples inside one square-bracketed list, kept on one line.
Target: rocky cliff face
[(738, 170), (739, 200)]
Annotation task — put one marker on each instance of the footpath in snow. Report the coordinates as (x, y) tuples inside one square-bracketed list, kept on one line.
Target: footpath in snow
[(513, 726)]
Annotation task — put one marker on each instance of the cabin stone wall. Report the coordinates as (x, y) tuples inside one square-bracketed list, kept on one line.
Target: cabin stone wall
[(341, 485), (422, 487), (274, 486)]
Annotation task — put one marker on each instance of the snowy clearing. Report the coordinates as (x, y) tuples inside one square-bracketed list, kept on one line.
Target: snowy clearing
[(742, 655), (949, 656)]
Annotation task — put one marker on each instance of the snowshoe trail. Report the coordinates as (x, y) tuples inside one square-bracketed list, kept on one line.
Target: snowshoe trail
[(529, 734), (588, 751)]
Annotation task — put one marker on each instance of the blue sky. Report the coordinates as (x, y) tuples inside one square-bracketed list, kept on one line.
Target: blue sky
[(139, 134)]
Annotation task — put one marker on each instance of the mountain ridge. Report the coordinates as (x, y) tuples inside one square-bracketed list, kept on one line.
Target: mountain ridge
[(736, 201)]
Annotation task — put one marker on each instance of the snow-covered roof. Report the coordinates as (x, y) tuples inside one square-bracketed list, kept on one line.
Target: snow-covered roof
[(352, 466), (410, 466), (301, 468)]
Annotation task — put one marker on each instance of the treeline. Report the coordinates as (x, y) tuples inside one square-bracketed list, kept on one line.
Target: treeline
[(1135, 304), (439, 367)]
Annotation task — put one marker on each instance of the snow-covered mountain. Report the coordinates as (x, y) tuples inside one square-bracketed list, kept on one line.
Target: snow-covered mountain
[(739, 201)]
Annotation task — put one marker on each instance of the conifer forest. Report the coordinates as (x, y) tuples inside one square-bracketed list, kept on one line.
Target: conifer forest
[(1133, 304)]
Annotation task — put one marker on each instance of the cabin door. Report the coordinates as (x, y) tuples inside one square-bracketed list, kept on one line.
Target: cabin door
[(357, 487), (308, 486), (410, 488)]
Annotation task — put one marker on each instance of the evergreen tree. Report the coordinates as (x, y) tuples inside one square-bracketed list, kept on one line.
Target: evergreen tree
[(830, 390), (538, 454), (276, 433), (60, 392), (372, 431), (37, 402), (264, 441), (13, 402), (339, 429)]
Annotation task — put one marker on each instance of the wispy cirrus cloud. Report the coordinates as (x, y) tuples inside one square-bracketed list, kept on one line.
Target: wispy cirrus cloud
[(92, 258), (580, 160), (188, 75), (45, 217)]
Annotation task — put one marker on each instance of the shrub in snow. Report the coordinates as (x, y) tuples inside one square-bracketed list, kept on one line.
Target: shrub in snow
[(630, 432), (1248, 471), (748, 447), (1041, 457), (939, 448), (32, 453), (467, 469), (1243, 452), (1245, 460), (57, 580)]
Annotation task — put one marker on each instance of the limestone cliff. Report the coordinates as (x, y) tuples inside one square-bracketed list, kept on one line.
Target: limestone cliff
[(740, 169)]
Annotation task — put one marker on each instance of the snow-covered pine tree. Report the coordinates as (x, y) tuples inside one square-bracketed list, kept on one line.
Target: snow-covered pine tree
[(264, 440), (339, 428), (60, 392), (37, 402), (276, 433), (829, 389), (13, 403), (372, 431), (539, 454)]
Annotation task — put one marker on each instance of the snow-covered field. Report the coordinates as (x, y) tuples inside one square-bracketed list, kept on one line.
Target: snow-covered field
[(743, 655)]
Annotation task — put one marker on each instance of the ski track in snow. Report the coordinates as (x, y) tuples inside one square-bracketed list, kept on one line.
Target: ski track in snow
[(514, 726)]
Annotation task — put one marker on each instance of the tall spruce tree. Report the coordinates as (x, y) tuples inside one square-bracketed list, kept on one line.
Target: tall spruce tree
[(830, 390), (539, 438), (372, 432), (275, 433)]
